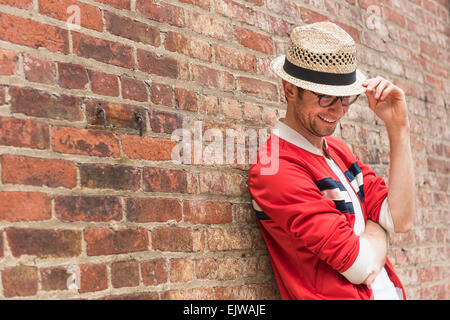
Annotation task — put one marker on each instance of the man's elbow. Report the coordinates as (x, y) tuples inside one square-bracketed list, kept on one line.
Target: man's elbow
[(404, 225)]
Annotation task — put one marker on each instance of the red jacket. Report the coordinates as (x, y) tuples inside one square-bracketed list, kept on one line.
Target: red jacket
[(310, 237)]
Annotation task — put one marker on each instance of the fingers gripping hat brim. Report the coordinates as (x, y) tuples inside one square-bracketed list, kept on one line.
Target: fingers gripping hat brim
[(277, 66)]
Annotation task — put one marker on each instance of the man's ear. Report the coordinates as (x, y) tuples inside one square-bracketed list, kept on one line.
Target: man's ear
[(290, 90)]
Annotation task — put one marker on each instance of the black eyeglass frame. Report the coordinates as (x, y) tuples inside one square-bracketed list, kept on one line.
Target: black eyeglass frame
[(320, 96)]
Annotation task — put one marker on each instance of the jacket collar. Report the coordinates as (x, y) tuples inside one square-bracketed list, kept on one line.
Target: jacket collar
[(285, 132)]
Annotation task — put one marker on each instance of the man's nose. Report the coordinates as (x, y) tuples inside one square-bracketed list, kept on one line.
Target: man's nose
[(337, 109)]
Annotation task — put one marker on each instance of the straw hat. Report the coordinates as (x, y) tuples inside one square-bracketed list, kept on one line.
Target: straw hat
[(321, 57)]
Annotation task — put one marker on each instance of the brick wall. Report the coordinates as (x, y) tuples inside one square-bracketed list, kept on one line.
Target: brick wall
[(92, 210)]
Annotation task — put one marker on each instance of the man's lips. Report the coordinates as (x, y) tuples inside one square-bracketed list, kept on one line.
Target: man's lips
[(329, 121)]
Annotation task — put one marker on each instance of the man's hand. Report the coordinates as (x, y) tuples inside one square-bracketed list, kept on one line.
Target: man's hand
[(387, 101), (378, 240)]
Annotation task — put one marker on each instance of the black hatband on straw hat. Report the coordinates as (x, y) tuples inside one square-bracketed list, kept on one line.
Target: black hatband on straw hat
[(335, 79)]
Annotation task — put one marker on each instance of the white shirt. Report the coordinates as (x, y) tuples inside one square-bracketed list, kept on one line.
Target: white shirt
[(382, 287)]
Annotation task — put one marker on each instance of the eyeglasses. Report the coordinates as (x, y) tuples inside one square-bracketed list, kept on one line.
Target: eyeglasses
[(326, 101)]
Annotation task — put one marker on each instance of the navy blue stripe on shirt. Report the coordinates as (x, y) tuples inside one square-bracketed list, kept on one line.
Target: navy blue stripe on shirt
[(351, 174), (329, 184), (261, 215), (343, 206)]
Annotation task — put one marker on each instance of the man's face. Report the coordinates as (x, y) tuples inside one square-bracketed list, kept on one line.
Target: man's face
[(315, 120)]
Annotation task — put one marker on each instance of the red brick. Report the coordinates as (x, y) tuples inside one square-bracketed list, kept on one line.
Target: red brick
[(44, 243), (394, 16), (1, 244), (434, 82), (208, 105), (134, 89), (235, 59), (23, 4), (94, 277), (206, 268), (104, 83), (120, 4), (54, 278), (117, 114), (154, 272), (251, 112), (256, 2), (243, 292), (167, 180), (8, 62), (431, 6), (163, 66), (181, 270), (273, 24), (189, 46), (236, 11), (88, 208), (103, 50), (437, 165), (33, 34), (230, 268), (24, 206), (165, 122), (72, 76), (231, 108), (103, 176), (210, 26), (434, 292), (132, 29), (429, 49), (213, 78), (87, 142), (177, 239), (125, 274), (229, 239), (269, 116), (189, 294), (353, 32), (134, 296), (254, 40), (258, 88), (43, 104), (162, 94), (244, 213), (200, 211), (285, 7), (186, 99), (216, 182), (199, 3), (160, 11), (153, 209), (148, 148), (24, 133), (309, 16), (428, 274), (38, 172), (105, 241), (90, 16), (20, 281), (2, 95)]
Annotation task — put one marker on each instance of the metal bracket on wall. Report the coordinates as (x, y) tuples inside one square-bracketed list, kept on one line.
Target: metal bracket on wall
[(140, 122), (100, 112)]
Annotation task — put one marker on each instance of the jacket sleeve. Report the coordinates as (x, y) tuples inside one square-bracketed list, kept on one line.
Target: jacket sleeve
[(291, 199), (375, 198)]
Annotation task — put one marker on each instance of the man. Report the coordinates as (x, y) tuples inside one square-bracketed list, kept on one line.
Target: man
[(324, 214)]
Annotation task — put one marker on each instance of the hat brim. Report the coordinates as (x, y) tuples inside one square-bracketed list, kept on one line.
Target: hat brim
[(333, 90)]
